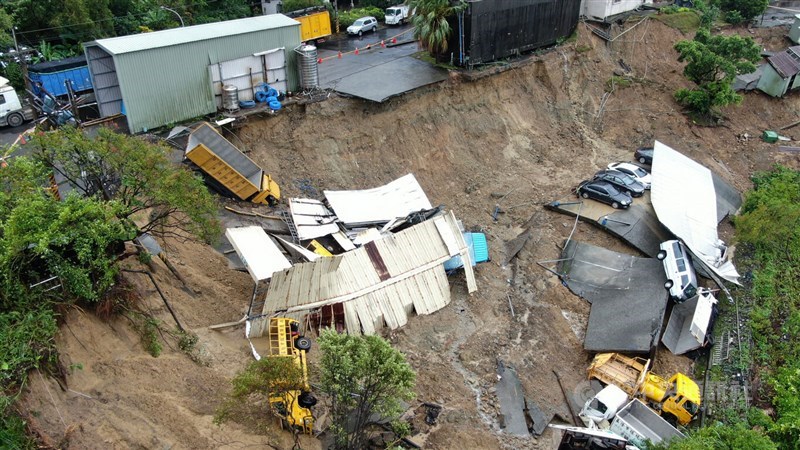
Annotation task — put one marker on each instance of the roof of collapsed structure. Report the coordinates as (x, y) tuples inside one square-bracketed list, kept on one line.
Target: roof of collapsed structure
[(382, 281)]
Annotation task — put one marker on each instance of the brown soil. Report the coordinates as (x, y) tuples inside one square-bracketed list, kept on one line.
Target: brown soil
[(529, 133)]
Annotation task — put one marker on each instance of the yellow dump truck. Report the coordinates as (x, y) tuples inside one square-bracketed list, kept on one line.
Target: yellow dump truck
[(293, 405), (228, 168), (315, 23), (677, 397)]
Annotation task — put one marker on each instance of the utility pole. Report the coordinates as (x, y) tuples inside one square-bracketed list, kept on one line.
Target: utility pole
[(23, 63)]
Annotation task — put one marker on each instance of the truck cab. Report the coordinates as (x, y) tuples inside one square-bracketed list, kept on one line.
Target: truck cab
[(396, 15), (13, 112)]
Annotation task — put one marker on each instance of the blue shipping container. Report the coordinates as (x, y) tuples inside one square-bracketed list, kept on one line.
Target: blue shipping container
[(53, 75)]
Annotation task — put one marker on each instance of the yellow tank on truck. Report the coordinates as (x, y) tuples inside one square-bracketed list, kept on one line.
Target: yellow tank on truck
[(314, 26)]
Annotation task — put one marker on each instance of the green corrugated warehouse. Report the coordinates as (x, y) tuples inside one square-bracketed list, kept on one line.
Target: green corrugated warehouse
[(168, 76)]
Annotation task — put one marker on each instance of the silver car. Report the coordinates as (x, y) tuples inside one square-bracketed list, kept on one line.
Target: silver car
[(681, 279), (363, 25)]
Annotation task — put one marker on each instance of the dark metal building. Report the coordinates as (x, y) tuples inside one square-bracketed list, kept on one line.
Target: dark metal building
[(489, 30)]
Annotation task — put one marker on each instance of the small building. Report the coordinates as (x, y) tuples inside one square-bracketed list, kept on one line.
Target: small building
[(794, 32), (489, 30), (780, 72), (173, 75), (603, 9)]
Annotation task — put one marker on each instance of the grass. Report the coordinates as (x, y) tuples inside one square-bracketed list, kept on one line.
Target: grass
[(686, 21)]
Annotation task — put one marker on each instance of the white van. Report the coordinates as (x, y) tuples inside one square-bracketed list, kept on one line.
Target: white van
[(681, 279)]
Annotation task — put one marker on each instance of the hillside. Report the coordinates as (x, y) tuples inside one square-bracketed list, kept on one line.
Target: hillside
[(528, 134)]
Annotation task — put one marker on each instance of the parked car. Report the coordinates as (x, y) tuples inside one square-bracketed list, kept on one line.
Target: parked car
[(644, 155), (621, 181), (604, 192), (363, 25), (681, 279), (638, 174)]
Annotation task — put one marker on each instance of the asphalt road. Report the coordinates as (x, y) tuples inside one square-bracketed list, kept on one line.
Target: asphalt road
[(8, 135), (343, 43)]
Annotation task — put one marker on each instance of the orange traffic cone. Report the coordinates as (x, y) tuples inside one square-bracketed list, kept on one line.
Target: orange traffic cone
[(340, 55), (319, 61), (356, 52), (383, 44), (394, 40)]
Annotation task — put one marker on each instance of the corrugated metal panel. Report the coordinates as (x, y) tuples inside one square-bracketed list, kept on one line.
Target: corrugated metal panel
[(771, 82), (257, 251), (104, 79), (685, 201), (495, 29), (413, 259), (786, 63), (170, 84), (177, 36), (311, 218), (382, 204)]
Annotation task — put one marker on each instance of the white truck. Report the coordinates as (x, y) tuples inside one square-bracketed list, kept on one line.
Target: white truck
[(12, 111), (611, 411), (397, 15)]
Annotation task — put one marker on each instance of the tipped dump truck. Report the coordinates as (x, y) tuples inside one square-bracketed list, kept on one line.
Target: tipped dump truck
[(677, 398), (228, 168)]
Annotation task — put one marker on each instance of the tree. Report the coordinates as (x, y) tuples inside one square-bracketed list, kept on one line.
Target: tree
[(431, 24), (720, 437), (261, 380), (747, 9), (160, 197), (364, 376), (712, 64)]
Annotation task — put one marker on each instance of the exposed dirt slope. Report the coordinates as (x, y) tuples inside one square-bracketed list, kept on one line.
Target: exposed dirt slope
[(528, 134)]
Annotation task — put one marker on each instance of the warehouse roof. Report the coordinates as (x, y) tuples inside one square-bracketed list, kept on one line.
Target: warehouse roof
[(183, 35)]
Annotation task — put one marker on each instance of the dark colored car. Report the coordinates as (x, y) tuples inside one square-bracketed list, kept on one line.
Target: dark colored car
[(621, 181), (644, 155), (604, 192)]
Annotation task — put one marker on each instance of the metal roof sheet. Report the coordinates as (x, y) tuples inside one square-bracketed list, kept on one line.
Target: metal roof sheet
[(311, 218), (259, 254), (381, 282), (684, 198), (176, 36), (382, 204), (786, 63)]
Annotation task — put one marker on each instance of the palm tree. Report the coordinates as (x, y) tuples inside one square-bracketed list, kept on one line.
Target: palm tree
[(430, 22)]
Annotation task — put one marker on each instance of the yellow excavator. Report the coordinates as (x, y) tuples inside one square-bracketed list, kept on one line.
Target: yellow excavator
[(677, 399), (293, 405)]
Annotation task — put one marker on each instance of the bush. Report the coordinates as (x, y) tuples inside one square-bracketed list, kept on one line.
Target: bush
[(734, 17), (346, 18), (294, 5)]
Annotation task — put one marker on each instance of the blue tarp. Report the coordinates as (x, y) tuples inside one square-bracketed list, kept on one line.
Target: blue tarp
[(478, 252)]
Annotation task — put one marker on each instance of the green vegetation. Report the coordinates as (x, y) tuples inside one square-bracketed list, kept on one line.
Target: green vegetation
[(720, 437), (363, 376), (74, 245), (684, 21), (737, 11), (430, 23), (712, 63), (769, 227), (346, 18), (294, 5), (618, 82), (259, 381)]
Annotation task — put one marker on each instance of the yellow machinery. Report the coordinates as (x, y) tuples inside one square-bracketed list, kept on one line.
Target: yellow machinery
[(314, 26), (229, 167), (293, 405), (318, 248), (679, 396)]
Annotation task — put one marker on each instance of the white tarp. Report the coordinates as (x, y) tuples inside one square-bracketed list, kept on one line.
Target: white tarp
[(311, 218), (685, 201), (259, 254), (382, 204)]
